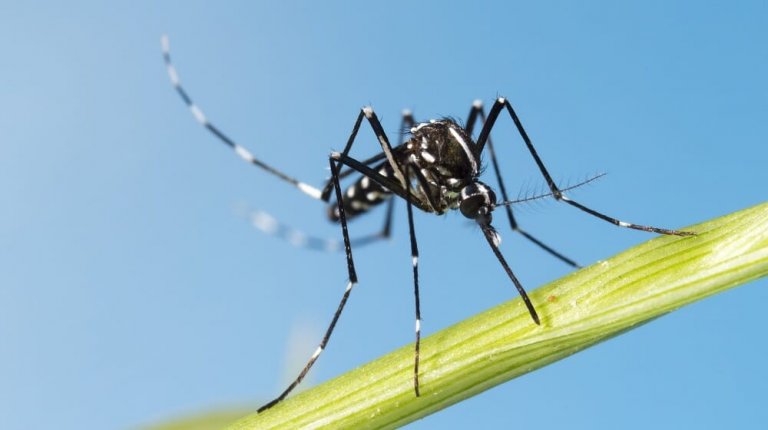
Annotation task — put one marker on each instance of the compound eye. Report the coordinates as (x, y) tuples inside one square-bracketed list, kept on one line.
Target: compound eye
[(470, 207), (476, 200)]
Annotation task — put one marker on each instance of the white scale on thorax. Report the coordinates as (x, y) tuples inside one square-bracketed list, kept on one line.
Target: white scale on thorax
[(466, 148)]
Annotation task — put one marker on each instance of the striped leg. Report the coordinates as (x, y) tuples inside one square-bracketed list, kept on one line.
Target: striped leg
[(411, 200), (268, 224), (493, 241), (364, 186), (415, 260), (406, 123), (387, 182), (502, 103), (368, 113), (476, 111), (352, 282), (239, 150)]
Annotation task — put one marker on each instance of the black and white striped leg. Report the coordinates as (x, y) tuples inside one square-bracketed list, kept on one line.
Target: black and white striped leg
[(390, 184), (478, 111), (411, 200), (368, 113), (241, 151), (493, 240), (502, 103), (352, 282), (415, 261), (268, 224), (406, 123)]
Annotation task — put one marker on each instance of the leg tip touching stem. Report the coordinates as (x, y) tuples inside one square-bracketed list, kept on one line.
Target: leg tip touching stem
[(267, 406), (684, 233), (535, 316)]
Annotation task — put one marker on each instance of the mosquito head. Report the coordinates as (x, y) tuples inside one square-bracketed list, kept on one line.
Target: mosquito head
[(477, 201)]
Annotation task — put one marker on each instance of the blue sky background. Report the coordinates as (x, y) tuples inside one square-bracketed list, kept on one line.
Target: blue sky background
[(133, 291)]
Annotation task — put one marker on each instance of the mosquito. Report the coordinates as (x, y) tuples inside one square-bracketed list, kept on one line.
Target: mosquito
[(437, 170)]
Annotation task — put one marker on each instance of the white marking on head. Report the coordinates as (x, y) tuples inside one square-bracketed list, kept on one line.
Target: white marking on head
[(415, 260), (368, 111), (350, 284), (427, 156), (465, 147), (335, 155), (264, 222), (501, 100), (407, 112), (243, 153), (310, 190), (198, 114), (477, 103)]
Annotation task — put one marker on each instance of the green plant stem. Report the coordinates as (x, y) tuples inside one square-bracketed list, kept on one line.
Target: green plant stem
[(577, 311)]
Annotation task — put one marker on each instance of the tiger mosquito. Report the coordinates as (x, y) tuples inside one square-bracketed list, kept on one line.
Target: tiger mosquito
[(436, 170)]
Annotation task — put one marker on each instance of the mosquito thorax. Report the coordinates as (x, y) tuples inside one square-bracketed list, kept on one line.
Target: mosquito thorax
[(477, 201), (444, 147)]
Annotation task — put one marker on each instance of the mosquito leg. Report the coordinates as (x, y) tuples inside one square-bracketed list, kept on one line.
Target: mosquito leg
[(368, 113), (268, 224), (390, 184), (415, 261), (502, 103), (239, 150), (492, 238), (405, 125), (352, 282), (477, 111)]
